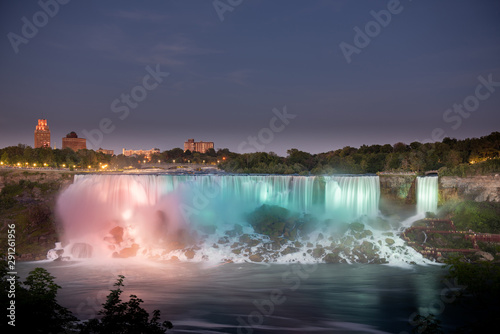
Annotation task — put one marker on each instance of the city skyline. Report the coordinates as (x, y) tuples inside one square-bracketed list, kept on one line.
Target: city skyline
[(259, 76)]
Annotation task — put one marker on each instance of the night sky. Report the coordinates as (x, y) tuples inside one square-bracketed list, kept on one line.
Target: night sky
[(336, 73)]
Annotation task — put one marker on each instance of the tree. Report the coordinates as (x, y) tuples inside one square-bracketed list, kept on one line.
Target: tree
[(37, 299), (400, 147), (5, 158), (125, 317), (211, 152)]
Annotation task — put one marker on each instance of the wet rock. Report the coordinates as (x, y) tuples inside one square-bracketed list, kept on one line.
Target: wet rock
[(334, 258), (289, 250), (389, 241), (115, 235), (223, 240), (127, 252), (348, 241), (190, 254), (318, 252), (357, 227), (485, 256), (255, 258)]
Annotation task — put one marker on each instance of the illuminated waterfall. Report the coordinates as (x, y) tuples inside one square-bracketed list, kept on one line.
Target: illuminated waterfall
[(116, 212), (427, 194)]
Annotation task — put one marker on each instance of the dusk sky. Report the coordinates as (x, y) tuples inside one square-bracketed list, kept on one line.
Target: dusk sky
[(336, 73)]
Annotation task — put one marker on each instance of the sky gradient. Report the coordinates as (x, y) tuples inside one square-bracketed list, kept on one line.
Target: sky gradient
[(413, 61)]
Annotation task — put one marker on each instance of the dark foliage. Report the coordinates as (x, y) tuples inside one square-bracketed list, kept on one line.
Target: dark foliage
[(125, 317)]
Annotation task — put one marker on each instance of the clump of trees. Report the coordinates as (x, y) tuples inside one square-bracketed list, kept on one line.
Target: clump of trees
[(36, 309), (450, 157)]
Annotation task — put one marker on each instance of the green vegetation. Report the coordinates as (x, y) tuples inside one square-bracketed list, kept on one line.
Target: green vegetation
[(450, 157), (476, 216), (465, 170), (36, 307), (27, 200), (125, 317), (479, 279)]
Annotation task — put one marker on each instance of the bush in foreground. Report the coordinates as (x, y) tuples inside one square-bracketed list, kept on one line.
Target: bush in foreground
[(125, 317)]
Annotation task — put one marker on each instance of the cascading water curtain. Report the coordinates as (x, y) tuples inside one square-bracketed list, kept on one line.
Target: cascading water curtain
[(427, 194)]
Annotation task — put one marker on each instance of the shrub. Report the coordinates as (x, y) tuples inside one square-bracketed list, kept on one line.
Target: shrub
[(125, 317)]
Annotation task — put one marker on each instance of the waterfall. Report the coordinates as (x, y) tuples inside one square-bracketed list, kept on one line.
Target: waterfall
[(346, 196), (427, 194), (207, 217)]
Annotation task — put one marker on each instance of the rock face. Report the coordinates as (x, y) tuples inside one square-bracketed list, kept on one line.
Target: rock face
[(277, 222), (398, 188), (476, 188), (28, 199)]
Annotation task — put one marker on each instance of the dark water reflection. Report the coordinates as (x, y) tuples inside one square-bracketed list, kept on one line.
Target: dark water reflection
[(258, 298)]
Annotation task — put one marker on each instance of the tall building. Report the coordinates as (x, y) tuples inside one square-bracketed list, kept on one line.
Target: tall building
[(73, 142), (42, 134), (198, 146)]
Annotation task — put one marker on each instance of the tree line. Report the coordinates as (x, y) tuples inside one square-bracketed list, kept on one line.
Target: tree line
[(450, 157)]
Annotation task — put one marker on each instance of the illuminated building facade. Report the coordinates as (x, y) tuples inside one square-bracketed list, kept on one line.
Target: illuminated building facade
[(42, 134), (200, 146), (147, 153)]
